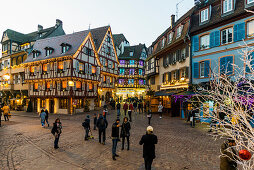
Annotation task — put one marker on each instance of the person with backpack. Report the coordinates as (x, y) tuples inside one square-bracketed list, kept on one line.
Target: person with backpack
[(47, 116), (102, 124), (125, 132), (130, 111), (43, 116), (115, 138), (125, 108), (86, 125), (56, 131)]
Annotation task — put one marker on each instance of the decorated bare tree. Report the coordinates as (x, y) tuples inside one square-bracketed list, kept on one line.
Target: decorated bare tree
[(232, 95)]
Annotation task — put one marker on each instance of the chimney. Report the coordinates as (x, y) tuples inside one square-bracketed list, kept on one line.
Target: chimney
[(172, 20), (58, 22), (40, 28)]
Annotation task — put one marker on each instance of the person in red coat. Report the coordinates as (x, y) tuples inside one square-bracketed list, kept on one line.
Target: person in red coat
[(130, 111), (125, 108)]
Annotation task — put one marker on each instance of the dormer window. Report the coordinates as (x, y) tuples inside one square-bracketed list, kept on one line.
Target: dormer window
[(65, 47), (227, 6), (131, 53), (162, 42), (204, 15), (49, 51), (179, 31), (36, 54), (170, 37)]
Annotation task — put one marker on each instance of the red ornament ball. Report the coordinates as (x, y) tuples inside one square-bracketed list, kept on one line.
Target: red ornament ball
[(244, 154)]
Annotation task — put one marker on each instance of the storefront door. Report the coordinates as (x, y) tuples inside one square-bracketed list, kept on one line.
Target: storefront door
[(51, 106)]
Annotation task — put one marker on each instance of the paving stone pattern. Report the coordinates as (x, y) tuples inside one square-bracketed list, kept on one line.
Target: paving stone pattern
[(24, 144)]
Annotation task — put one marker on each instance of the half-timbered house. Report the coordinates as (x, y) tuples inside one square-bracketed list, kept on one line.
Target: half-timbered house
[(64, 73)]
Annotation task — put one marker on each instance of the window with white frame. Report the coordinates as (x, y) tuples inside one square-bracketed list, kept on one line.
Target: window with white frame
[(131, 53), (174, 57), (204, 42), (227, 5), (179, 31), (250, 1), (204, 15), (227, 36), (170, 37), (202, 69), (250, 28), (162, 42)]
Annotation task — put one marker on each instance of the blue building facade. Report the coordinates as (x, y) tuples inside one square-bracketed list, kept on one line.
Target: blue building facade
[(220, 30)]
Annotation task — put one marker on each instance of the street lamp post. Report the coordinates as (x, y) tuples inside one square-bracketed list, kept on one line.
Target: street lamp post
[(71, 84)]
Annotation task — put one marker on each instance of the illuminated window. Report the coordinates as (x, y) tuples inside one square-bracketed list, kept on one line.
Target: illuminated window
[(78, 85), (45, 67), (122, 62), (64, 84), (63, 103), (81, 66), (111, 79), (132, 72), (32, 69), (132, 62), (93, 69), (104, 79), (43, 103), (131, 53), (36, 86), (90, 87), (60, 65), (48, 85), (121, 71)]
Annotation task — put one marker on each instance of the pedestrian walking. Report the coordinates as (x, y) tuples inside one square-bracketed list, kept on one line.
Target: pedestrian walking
[(47, 117), (56, 131), (125, 108), (86, 125), (118, 107), (140, 107), (130, 111), (148, 141), (228, 157), (135, 105), (102, 124), (94, 121), (193, 116), (115, 138), (6, 111), (160, 109), (43, 116), (105, 112), (149, 116), (125, 132)]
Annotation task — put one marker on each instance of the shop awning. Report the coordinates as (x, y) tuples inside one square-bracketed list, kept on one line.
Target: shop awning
[(167, 92), (186, 93)]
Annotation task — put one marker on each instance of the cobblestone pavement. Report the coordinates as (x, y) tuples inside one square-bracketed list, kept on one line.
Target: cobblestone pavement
[(24, 144)]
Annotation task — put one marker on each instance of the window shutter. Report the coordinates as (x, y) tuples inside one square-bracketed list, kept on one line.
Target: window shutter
[(212, 39), (83, 86), (51, 85), (195, 42), (164, 62), (217, 38), (32, 87), (169, 76), (187, 51), (86, 68), (58, 85), (222, 65), (35, 70), (239, 32), (90, 69), (55, 66), (177, 74), (18, 78), (64, 66), (48, 67), (196, 70), (229, 65), (207, 68), (40, 69), (187, 72)]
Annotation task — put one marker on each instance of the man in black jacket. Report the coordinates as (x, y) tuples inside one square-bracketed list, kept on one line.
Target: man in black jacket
[(102, 124), (86, 125), (149, 140), (115, 138)]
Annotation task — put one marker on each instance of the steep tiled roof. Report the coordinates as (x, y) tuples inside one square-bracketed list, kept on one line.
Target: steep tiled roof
[(24, 38), (98, 34), (137, 50), (118, 39), (75, 40), (216, 17)]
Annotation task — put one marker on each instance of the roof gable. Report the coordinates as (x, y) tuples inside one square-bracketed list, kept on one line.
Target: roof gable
[(136, 49)]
